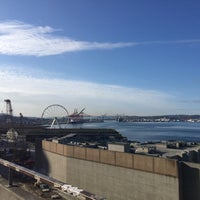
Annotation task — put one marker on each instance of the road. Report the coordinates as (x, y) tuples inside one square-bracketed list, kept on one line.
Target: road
[(25, 191), (15, 193)]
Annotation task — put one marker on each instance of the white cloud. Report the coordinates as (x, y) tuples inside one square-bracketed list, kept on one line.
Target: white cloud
[(30, 95), (17, 38), (191, 41)]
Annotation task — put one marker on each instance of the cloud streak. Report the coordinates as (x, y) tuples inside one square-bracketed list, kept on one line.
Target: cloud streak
[(18, 38), (32, 94)]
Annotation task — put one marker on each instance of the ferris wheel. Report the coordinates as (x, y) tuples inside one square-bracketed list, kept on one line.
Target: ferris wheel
[(54, 115)]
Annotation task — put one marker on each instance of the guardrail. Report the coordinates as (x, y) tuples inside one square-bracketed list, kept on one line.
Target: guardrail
[(50, 181)]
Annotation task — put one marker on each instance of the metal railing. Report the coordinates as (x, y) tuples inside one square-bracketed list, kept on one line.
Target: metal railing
[(48, 180)]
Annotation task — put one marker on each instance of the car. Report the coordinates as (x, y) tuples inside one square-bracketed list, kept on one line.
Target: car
[(55, 196), (44, 187)]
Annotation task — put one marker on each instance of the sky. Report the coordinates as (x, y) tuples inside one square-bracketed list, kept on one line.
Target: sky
[(133, 57)]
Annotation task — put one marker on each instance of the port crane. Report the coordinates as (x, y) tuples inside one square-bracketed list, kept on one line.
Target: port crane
[(76, 117), (9, 110)]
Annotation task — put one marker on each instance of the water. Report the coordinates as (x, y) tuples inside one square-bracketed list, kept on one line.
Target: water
[(151, 131)]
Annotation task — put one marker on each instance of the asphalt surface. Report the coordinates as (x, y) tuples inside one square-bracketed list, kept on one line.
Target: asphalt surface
[(27, 191), (16, 192)]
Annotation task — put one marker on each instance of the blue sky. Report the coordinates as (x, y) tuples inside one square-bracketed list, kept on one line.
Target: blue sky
[(112, 57)]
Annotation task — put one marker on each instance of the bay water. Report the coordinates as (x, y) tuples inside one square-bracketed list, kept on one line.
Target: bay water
[(150, 131)]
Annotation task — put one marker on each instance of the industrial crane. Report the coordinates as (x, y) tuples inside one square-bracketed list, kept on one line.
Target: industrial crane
[(9, 110), (76, 117)]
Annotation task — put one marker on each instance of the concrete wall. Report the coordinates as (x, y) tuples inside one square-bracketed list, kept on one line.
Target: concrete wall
[(145, 163), (190, 180), (114, 175), (122, 147)]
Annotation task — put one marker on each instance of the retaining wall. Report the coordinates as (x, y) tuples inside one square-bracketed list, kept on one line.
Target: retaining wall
[(114, 175), (145, 163)]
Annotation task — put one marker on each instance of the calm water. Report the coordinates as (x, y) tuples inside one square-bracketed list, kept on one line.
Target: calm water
[(151, 131)]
